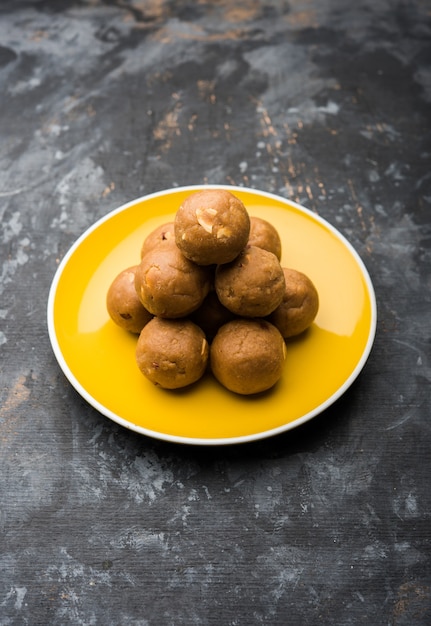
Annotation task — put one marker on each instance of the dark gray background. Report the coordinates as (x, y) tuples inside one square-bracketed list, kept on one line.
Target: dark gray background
[(324, 102)]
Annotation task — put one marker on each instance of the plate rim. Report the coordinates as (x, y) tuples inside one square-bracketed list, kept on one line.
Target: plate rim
[(203, 441)]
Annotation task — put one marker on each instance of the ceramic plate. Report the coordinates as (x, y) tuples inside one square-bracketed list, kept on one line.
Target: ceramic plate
[(98, 358)]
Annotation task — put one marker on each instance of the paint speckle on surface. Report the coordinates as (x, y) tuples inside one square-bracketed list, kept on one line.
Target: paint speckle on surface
[(12, 227)]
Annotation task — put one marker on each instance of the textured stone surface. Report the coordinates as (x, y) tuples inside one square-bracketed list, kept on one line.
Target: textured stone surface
[(323, 102)]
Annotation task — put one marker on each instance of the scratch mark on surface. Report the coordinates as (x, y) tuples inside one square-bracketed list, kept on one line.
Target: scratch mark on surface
[(266, 123), (12, 192), (359, 208), (405, 418)]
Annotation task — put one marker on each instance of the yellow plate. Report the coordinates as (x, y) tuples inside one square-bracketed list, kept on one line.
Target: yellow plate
[(98, 358)]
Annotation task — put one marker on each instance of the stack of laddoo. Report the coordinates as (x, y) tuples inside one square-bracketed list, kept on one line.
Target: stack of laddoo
[(210, 292)]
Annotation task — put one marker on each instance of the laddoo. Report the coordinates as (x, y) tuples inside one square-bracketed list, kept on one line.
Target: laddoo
[(299, 306), (170, 285), (172, 353), (212, 226), (247, 355), (211, 315), (264, 235), (161, 236), (123, 305), (252, 285)]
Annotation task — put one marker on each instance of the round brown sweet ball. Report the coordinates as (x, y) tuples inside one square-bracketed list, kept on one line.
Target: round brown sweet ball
[(299, 306), (252, 285), (211, 315), (211, 226), (172, 353), (247, 355), (169, 285), (123, 305), (161, 236), (264, 235)]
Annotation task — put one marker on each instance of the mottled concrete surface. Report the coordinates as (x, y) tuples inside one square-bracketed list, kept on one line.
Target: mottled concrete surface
[(322, 101)]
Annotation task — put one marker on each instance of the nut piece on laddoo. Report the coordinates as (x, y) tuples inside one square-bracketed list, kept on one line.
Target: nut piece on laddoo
[(252, 285), (169, 285), (123, 305), (172, 353), (299, 306), (211, 226), (162, 236), (264, 235), (247, 356)]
